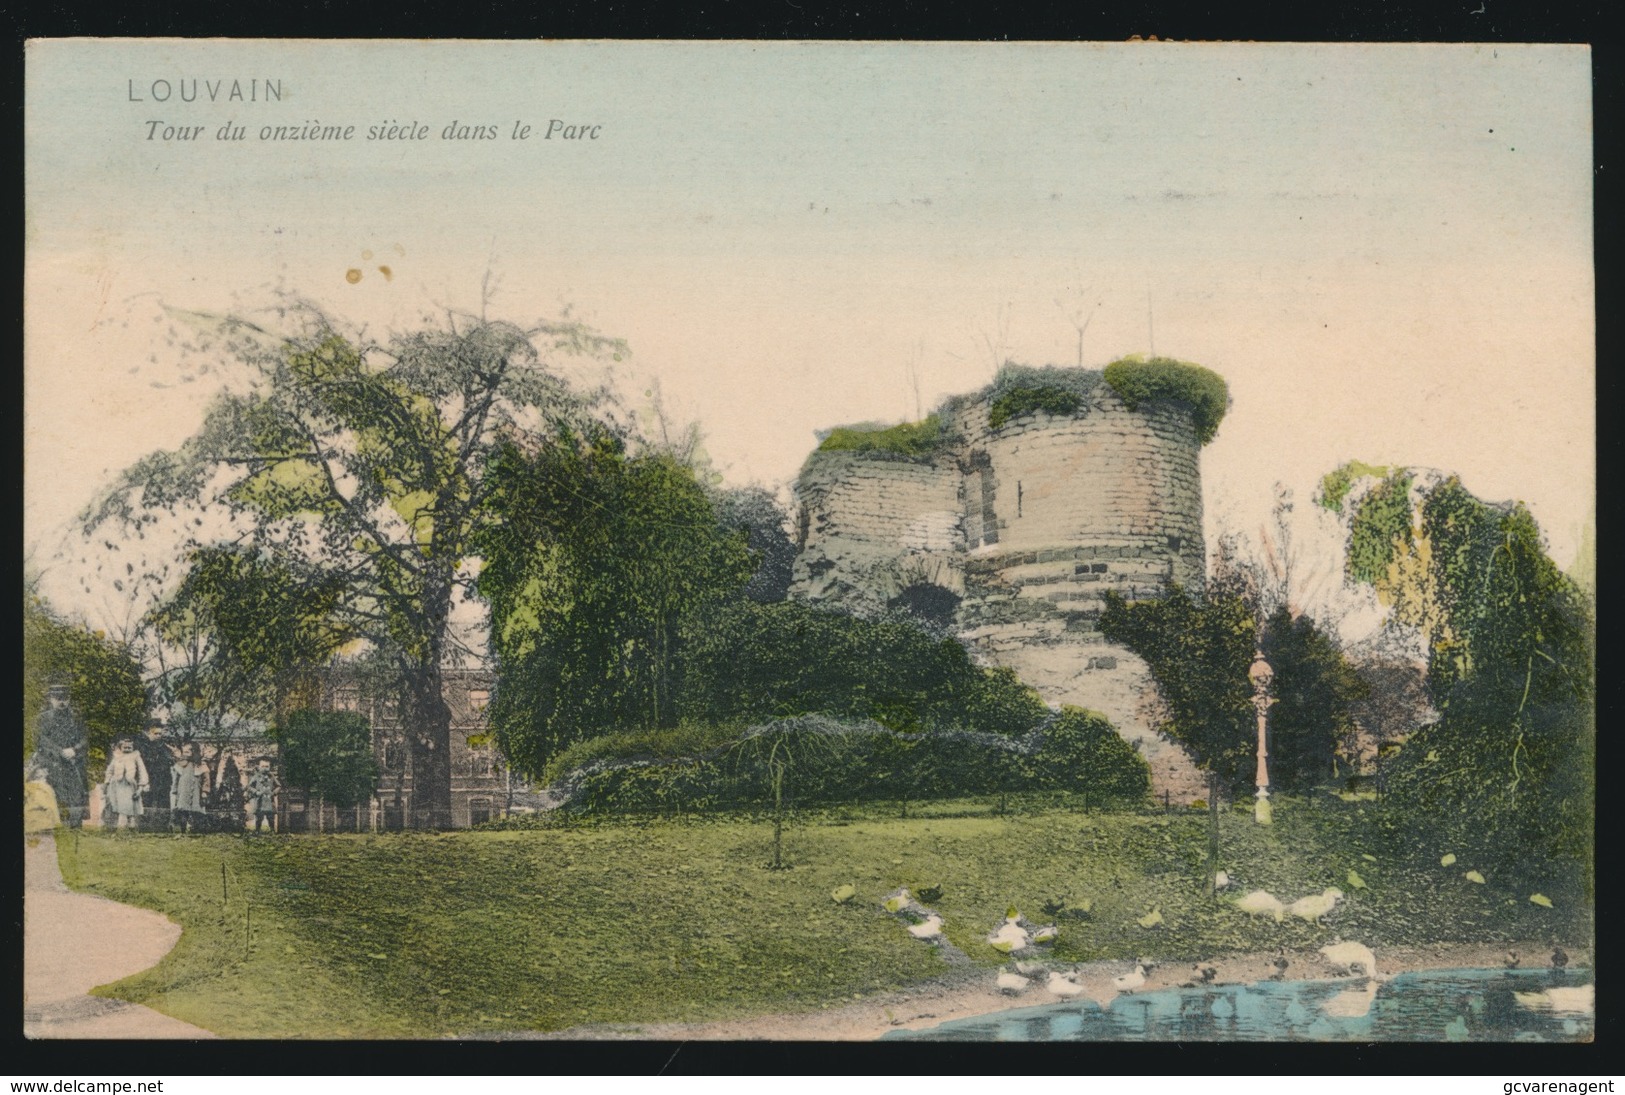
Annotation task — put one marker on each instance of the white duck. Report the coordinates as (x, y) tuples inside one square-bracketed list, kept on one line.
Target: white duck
[(1352, 960), (1010, 936), (1262, 903), (1064, 986), (1012, 983), (1128, 982), (1315, 907)]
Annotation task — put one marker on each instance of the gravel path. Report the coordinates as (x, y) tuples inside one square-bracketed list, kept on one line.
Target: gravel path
[(73, 942)]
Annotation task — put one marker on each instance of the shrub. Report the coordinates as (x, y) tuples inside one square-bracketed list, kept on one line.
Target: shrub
[(920, 438), (1019, 401), (753, 662), (1079, 750), (1137, 381)]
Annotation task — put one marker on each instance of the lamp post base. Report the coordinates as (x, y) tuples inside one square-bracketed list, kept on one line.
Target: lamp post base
[(1262, 813)]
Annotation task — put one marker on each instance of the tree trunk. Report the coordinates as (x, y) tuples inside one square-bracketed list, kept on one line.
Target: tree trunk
[(428, 721), (1213, 835)]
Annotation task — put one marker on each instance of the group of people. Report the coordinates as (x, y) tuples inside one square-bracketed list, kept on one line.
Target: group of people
[(133, 785)]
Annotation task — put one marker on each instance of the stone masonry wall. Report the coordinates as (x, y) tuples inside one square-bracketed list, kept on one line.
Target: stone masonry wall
[(1029, 524), (871, 525)]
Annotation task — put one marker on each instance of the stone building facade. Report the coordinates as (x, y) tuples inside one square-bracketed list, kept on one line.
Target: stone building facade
[(480, 780), (482, 787), (1010, 537)]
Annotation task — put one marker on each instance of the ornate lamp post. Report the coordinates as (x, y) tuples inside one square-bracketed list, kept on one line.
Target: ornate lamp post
[(1261, 674)]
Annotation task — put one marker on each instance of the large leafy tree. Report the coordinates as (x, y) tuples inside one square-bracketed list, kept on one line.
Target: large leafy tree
[(593, 558), (244, 636), (359, 467)]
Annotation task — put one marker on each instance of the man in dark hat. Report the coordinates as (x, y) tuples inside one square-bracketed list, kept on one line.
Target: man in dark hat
[(159, 759), (59, 748)]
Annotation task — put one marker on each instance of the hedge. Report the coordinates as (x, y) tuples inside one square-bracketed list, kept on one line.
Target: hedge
[(836, 762)]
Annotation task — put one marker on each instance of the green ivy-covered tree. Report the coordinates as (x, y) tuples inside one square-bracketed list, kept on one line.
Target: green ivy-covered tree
[(1199, 650), (1508, 768)]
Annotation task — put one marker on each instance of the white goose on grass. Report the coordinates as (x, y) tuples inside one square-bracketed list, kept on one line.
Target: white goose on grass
[(1315, 907), (1010, 936), (1262, 903), (1011, 983)]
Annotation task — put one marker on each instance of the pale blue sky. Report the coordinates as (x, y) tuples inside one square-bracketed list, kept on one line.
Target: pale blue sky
[(1386, 250)]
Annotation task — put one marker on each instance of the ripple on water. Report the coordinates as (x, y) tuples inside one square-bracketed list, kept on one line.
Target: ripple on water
[(1464, 1005)]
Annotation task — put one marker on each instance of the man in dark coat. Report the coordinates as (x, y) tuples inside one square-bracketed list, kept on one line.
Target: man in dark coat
[(59, 749), (155, 752)]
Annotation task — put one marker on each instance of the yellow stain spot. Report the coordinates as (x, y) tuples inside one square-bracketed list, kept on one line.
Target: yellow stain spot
[(389, 275), (352, 275), (366, 254)]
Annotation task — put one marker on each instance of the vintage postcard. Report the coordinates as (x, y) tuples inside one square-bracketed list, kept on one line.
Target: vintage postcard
[(809, 541)]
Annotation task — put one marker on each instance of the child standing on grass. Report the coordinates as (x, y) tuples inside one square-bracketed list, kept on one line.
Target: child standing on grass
[(262, 795), (189, 789), (126, 782)]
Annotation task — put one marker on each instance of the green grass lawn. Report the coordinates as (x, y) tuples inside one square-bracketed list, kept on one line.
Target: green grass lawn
[(424, 935)]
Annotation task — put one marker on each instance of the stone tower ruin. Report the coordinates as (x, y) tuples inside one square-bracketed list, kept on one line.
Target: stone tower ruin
[(1009, 535)]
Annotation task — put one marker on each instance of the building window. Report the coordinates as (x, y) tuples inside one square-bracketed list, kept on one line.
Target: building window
[(347, 699), (479, 810), (394, 756)]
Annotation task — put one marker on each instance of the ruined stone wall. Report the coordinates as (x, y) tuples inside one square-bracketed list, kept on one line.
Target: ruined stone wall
[(870, 525), (1029, 524)]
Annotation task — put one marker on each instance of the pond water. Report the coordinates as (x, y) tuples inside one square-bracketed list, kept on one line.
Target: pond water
[(1463, 1005)]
